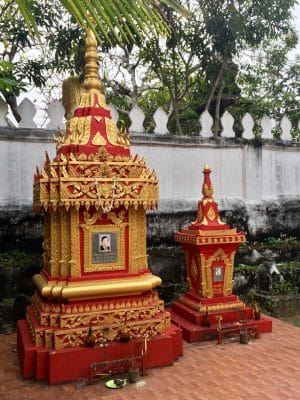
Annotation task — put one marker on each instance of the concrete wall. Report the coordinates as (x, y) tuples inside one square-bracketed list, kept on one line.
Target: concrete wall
[(246, 169), (255, 176)]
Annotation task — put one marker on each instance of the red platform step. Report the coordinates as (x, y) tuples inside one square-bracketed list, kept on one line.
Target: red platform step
[(191, 322), (57, 366)]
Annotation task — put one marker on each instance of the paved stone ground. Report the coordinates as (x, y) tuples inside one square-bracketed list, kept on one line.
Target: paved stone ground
[(265, 369)]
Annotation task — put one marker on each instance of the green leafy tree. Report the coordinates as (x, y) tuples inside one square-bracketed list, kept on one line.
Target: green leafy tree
[(22, 62), (200, 64), (232, 27), (56, 26), (176, 64), (271, 84)]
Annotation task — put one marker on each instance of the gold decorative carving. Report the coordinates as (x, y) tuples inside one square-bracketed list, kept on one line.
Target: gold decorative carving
[(207, 191), (204, 285), (204, 239), (219, 255), (210, 307), (208, 276), (46, 242), (98, 140), (54, 244), (194, 270), (211, 215), (228, 276), (69, 324), (137, 238), (118, 218), (49, 342), (86, 179), (91, 219), (77, 131), (103, 334), (74, 255), (111, 132), (64, 242)]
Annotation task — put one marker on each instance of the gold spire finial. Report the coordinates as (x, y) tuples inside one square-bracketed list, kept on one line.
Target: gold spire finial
[(91, 80)]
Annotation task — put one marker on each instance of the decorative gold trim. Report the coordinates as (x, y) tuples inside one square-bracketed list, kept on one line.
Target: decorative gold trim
[(54, 244), (74, 237), (64, 242), (95, 289), (228, 277), (98, 140), (208, 278), (211, 307), (137, 239), (220, 255), (111, 132), (46, 242), (91, 179), (211, 215), (185, 237), (146, 300)]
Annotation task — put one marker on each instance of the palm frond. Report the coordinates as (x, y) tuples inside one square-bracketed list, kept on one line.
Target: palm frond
[(118, 20)]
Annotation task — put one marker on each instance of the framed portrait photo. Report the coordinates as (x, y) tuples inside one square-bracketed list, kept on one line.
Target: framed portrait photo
[(104, 248), (218, 273)]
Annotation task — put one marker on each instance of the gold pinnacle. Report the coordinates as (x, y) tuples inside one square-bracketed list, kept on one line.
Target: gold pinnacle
[(91, 80)]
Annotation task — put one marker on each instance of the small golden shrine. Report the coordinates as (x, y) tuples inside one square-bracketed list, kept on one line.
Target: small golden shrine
[(95, 279), (209, 246)]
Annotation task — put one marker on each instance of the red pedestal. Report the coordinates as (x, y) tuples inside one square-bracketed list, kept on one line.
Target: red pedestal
[(69, 364), (192, 322), (209, 309)]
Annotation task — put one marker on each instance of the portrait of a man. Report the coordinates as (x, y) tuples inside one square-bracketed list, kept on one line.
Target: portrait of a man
[(104, 243), (105, 247)]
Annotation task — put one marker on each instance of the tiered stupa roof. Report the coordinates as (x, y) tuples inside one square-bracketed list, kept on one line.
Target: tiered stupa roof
[(208, 226), (93, 165)]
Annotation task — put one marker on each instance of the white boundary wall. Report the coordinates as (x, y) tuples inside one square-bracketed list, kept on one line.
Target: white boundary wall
[(251, 170)]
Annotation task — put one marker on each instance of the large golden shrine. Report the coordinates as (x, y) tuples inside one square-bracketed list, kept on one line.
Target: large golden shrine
[(95, 278)]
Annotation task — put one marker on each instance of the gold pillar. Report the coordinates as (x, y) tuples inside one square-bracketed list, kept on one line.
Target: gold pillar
[(137, 239), (65, 242), (46, 243), (228, 277), (54, 243), (74, 239)]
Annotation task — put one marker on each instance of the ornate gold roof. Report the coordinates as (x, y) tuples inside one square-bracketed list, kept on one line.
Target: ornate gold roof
[(93, 165)]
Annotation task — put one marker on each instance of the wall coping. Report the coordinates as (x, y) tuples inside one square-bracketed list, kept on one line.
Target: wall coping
[(46, 136)]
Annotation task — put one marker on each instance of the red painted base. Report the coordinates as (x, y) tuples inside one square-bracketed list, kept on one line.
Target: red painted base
[(192, 322), (69, 364)]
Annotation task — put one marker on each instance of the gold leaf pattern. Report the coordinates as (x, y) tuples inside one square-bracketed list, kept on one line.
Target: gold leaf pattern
[(211, 215), (98, 140)]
